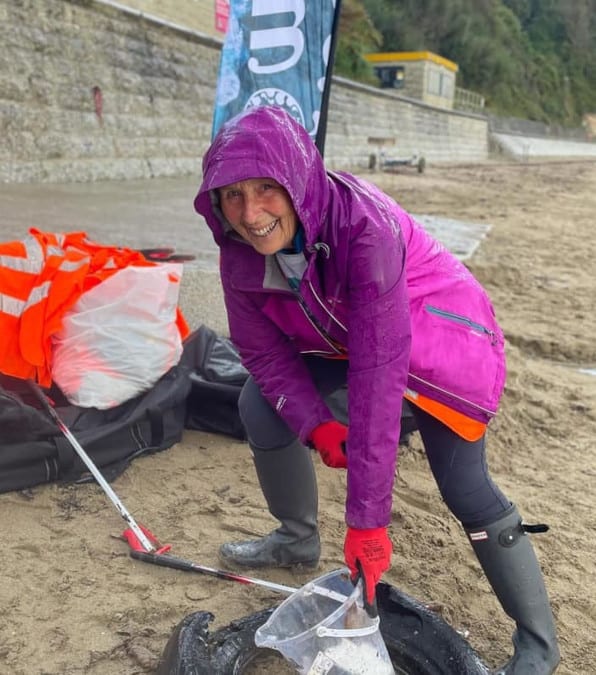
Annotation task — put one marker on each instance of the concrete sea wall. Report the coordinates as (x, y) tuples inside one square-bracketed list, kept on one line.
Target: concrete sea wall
[(90, 90)]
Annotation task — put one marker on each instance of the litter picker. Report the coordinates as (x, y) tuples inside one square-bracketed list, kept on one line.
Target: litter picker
[(138, 537), (143, 543), (167, 560)]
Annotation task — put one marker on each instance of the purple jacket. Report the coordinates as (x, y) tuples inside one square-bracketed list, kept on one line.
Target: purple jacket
[(407, 311)]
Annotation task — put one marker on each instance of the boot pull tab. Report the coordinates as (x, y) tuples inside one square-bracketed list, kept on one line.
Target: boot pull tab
[(509, 536), (539, 528)]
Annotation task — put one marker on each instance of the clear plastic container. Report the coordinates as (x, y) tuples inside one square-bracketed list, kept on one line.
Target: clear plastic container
[(323, 629)]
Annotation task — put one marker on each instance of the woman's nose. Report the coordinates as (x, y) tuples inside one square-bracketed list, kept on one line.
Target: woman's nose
[(252, 209)]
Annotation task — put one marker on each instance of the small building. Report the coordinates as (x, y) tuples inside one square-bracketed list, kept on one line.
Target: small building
[(424, 76)]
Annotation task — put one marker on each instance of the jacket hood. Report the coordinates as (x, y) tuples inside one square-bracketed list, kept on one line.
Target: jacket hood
[(265, 142)]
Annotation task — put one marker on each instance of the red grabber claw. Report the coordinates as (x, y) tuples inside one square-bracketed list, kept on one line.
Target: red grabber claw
[(133, 541)]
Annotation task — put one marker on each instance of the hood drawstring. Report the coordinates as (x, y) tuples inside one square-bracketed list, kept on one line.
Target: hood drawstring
[(299, 245), (320, 246)]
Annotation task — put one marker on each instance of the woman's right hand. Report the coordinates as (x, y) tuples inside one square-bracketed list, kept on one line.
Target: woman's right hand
[(329, 440)]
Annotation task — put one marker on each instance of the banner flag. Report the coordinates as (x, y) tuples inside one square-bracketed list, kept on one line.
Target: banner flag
[(278, 52)]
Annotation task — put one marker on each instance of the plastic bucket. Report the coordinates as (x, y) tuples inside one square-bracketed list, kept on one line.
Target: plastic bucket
[(323, 629)]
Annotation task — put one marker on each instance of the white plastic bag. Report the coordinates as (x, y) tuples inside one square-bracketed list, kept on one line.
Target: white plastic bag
[(120, 337)]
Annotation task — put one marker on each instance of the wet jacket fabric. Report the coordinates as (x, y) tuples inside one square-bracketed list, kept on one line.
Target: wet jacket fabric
[(377, 287)]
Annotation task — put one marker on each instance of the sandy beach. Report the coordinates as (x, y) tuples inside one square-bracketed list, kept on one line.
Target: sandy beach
[(74, 602)]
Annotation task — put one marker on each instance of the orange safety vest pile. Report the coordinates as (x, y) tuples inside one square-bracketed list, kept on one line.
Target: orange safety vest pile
[(41, 278)]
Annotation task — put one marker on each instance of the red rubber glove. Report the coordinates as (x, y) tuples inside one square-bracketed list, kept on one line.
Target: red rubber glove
[(372, 549), (329, 441)]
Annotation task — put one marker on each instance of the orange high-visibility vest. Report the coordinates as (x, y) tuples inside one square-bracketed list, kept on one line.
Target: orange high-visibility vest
[(41, 277)]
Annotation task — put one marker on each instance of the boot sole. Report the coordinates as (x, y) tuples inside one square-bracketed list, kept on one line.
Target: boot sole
[(305, 566)]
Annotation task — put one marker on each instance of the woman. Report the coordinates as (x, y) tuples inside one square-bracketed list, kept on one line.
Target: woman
[(328, 282)]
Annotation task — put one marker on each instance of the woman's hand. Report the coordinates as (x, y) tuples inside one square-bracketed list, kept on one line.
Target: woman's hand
[(329, 440), (368, 552)]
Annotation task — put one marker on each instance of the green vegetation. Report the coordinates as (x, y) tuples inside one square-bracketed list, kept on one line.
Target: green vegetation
[(534, 59)]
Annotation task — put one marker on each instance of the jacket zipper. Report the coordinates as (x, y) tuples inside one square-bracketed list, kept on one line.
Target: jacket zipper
[(325, 308), (295, 289), (335, 346), (464, 321)]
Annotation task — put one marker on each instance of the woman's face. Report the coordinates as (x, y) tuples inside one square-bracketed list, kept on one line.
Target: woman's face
[(260, 211)]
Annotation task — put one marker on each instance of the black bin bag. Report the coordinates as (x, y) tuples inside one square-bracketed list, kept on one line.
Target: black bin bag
[(217, 379)]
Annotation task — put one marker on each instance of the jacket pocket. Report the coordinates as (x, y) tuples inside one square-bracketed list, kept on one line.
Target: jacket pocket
[(460, 359), (463, 321)]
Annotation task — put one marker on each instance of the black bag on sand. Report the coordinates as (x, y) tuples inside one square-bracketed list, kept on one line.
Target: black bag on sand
[(200, 392), (217, 380), (33, 450)]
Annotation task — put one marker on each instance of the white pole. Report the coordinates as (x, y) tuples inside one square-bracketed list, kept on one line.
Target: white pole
[(141, 536)]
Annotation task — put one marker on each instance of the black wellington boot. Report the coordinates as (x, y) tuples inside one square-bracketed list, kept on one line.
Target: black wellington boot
[(507, 557), (288, 481)]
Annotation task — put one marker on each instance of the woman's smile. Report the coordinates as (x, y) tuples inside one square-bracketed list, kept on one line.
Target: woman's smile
[(265, 231), (261, 212)]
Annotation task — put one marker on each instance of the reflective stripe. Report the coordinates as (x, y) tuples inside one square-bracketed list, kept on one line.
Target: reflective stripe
[(54, 250), (38, 294), (73, 265), (10, 305), (35, 252), (32, 262), (15, 307)]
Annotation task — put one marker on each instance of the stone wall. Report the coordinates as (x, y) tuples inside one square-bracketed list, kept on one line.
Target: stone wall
[(365, 120), (155, 93), (197, 15), (89, 91)]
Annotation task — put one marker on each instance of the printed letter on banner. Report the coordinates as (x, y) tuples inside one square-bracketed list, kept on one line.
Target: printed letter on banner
[(275, 53)]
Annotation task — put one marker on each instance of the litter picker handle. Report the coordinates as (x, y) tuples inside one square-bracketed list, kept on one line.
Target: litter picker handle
[(187, 566), (371, 607), (105, 486), (166, 560)]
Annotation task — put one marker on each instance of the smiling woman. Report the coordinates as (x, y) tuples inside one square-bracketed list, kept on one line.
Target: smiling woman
[(260, 211), (331, 298)]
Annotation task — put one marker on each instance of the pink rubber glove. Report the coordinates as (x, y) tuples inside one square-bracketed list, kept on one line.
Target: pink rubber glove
[(329, 441)]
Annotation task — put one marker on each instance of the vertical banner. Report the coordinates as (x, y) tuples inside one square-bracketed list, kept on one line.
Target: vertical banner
[(278, 52)]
